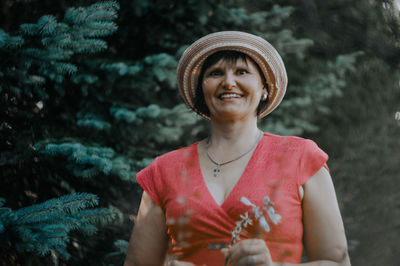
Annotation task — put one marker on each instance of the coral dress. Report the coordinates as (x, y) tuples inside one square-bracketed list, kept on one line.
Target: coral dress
[(278, 166)]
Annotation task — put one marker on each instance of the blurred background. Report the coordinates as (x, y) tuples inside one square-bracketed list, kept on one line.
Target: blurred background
[(89, 97)]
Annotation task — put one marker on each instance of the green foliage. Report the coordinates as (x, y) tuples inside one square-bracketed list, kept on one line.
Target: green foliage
[(293, 116), (121, 247), (37, 64), (43, 228), (45, 48), (85, 161)]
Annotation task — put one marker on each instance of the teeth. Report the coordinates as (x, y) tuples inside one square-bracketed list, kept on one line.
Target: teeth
[(227, 96)]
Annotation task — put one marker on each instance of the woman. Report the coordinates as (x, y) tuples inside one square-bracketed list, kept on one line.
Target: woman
[(193, 196)]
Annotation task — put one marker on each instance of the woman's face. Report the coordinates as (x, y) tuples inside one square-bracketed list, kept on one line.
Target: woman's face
[(233, 91)]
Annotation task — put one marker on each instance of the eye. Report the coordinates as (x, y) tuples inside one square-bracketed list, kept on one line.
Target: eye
[(242, 71), (215, 73)]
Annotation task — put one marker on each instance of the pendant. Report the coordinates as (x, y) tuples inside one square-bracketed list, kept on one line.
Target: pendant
[(217, 170)]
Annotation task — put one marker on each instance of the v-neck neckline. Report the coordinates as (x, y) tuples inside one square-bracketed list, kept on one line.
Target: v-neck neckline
[(240, 180)]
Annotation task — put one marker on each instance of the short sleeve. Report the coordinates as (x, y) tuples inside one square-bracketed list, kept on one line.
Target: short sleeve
[(312, 159), (150, 181)]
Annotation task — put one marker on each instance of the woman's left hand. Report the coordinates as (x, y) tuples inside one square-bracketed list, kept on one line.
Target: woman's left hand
[(248, 252)]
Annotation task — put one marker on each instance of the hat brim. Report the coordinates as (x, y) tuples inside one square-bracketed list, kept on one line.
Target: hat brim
[(261, 51)]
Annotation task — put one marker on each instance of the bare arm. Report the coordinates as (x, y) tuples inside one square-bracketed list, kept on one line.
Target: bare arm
[(324, 234), (149, 240)]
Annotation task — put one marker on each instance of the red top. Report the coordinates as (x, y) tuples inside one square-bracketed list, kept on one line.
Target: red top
[(278, 166)]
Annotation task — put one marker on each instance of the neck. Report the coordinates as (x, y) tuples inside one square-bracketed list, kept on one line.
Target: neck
[(232, 136)]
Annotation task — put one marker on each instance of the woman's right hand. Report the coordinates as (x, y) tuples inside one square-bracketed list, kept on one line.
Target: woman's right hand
[(249, 252), (179, 263)]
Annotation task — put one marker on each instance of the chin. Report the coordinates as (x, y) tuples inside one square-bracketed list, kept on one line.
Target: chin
[(234, 115)]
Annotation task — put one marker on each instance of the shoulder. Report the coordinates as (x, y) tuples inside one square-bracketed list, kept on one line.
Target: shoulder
[(280, 138), (177, 155), (170, 159), (303, 150), (291, 143), (165, 166)]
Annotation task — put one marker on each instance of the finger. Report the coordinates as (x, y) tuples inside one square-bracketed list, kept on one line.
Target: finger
[(180, 263), (246, 248), (252, 260)]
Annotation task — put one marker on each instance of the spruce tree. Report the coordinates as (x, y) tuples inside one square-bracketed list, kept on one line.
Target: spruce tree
[(34, 70)]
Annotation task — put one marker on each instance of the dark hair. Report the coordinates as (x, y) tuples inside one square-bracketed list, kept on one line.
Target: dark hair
[(231, 58)]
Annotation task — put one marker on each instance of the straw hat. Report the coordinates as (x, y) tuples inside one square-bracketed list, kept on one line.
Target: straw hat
[(261, 51)]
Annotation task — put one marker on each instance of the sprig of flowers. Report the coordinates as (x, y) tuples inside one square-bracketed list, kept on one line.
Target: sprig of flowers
[(258, 214)]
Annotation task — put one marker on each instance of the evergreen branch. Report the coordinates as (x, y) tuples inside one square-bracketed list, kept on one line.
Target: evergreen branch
[(68, 203), (2, 201), (86, 173), (58, 41), (73, 15), (90, 160), (44, 227), (47, 24), (96, 215), (64, 218), (87, 228), (29, 29), (90, 46), (97, 29), (3, 38), (103, 152), (96, 12), (11, 42), (65, 68), (103, 11), (121, 246), (94, 123)]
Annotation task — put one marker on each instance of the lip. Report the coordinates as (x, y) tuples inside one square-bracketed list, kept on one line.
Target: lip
[(225, 93), (230, 99)]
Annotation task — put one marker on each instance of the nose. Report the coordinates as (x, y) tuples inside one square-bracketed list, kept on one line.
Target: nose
[(229, 81)]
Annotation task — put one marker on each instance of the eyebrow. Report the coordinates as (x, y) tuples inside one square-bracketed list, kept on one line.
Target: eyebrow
[(228, 64)]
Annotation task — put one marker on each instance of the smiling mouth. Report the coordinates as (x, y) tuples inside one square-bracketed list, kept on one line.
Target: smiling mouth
[(230, 96)]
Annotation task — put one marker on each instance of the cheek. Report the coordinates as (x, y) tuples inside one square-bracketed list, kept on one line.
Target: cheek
[(207, 87)]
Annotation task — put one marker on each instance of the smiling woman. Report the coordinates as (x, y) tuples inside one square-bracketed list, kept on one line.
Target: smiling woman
[(192, 200)]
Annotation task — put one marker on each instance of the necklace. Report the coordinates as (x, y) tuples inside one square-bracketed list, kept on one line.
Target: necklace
[(217, 169)]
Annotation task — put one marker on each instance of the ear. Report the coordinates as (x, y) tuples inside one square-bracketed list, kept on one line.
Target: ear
[(264, 95), (264, 90)]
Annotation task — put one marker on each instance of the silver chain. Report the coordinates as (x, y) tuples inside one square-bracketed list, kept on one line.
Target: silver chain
[(217, 169)]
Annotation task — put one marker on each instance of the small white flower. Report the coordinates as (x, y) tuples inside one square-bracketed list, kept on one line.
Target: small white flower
[(244, 216), (246, 201), (275, 218), (257, 212), (246, 220), (266, 200), (264, 224)]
